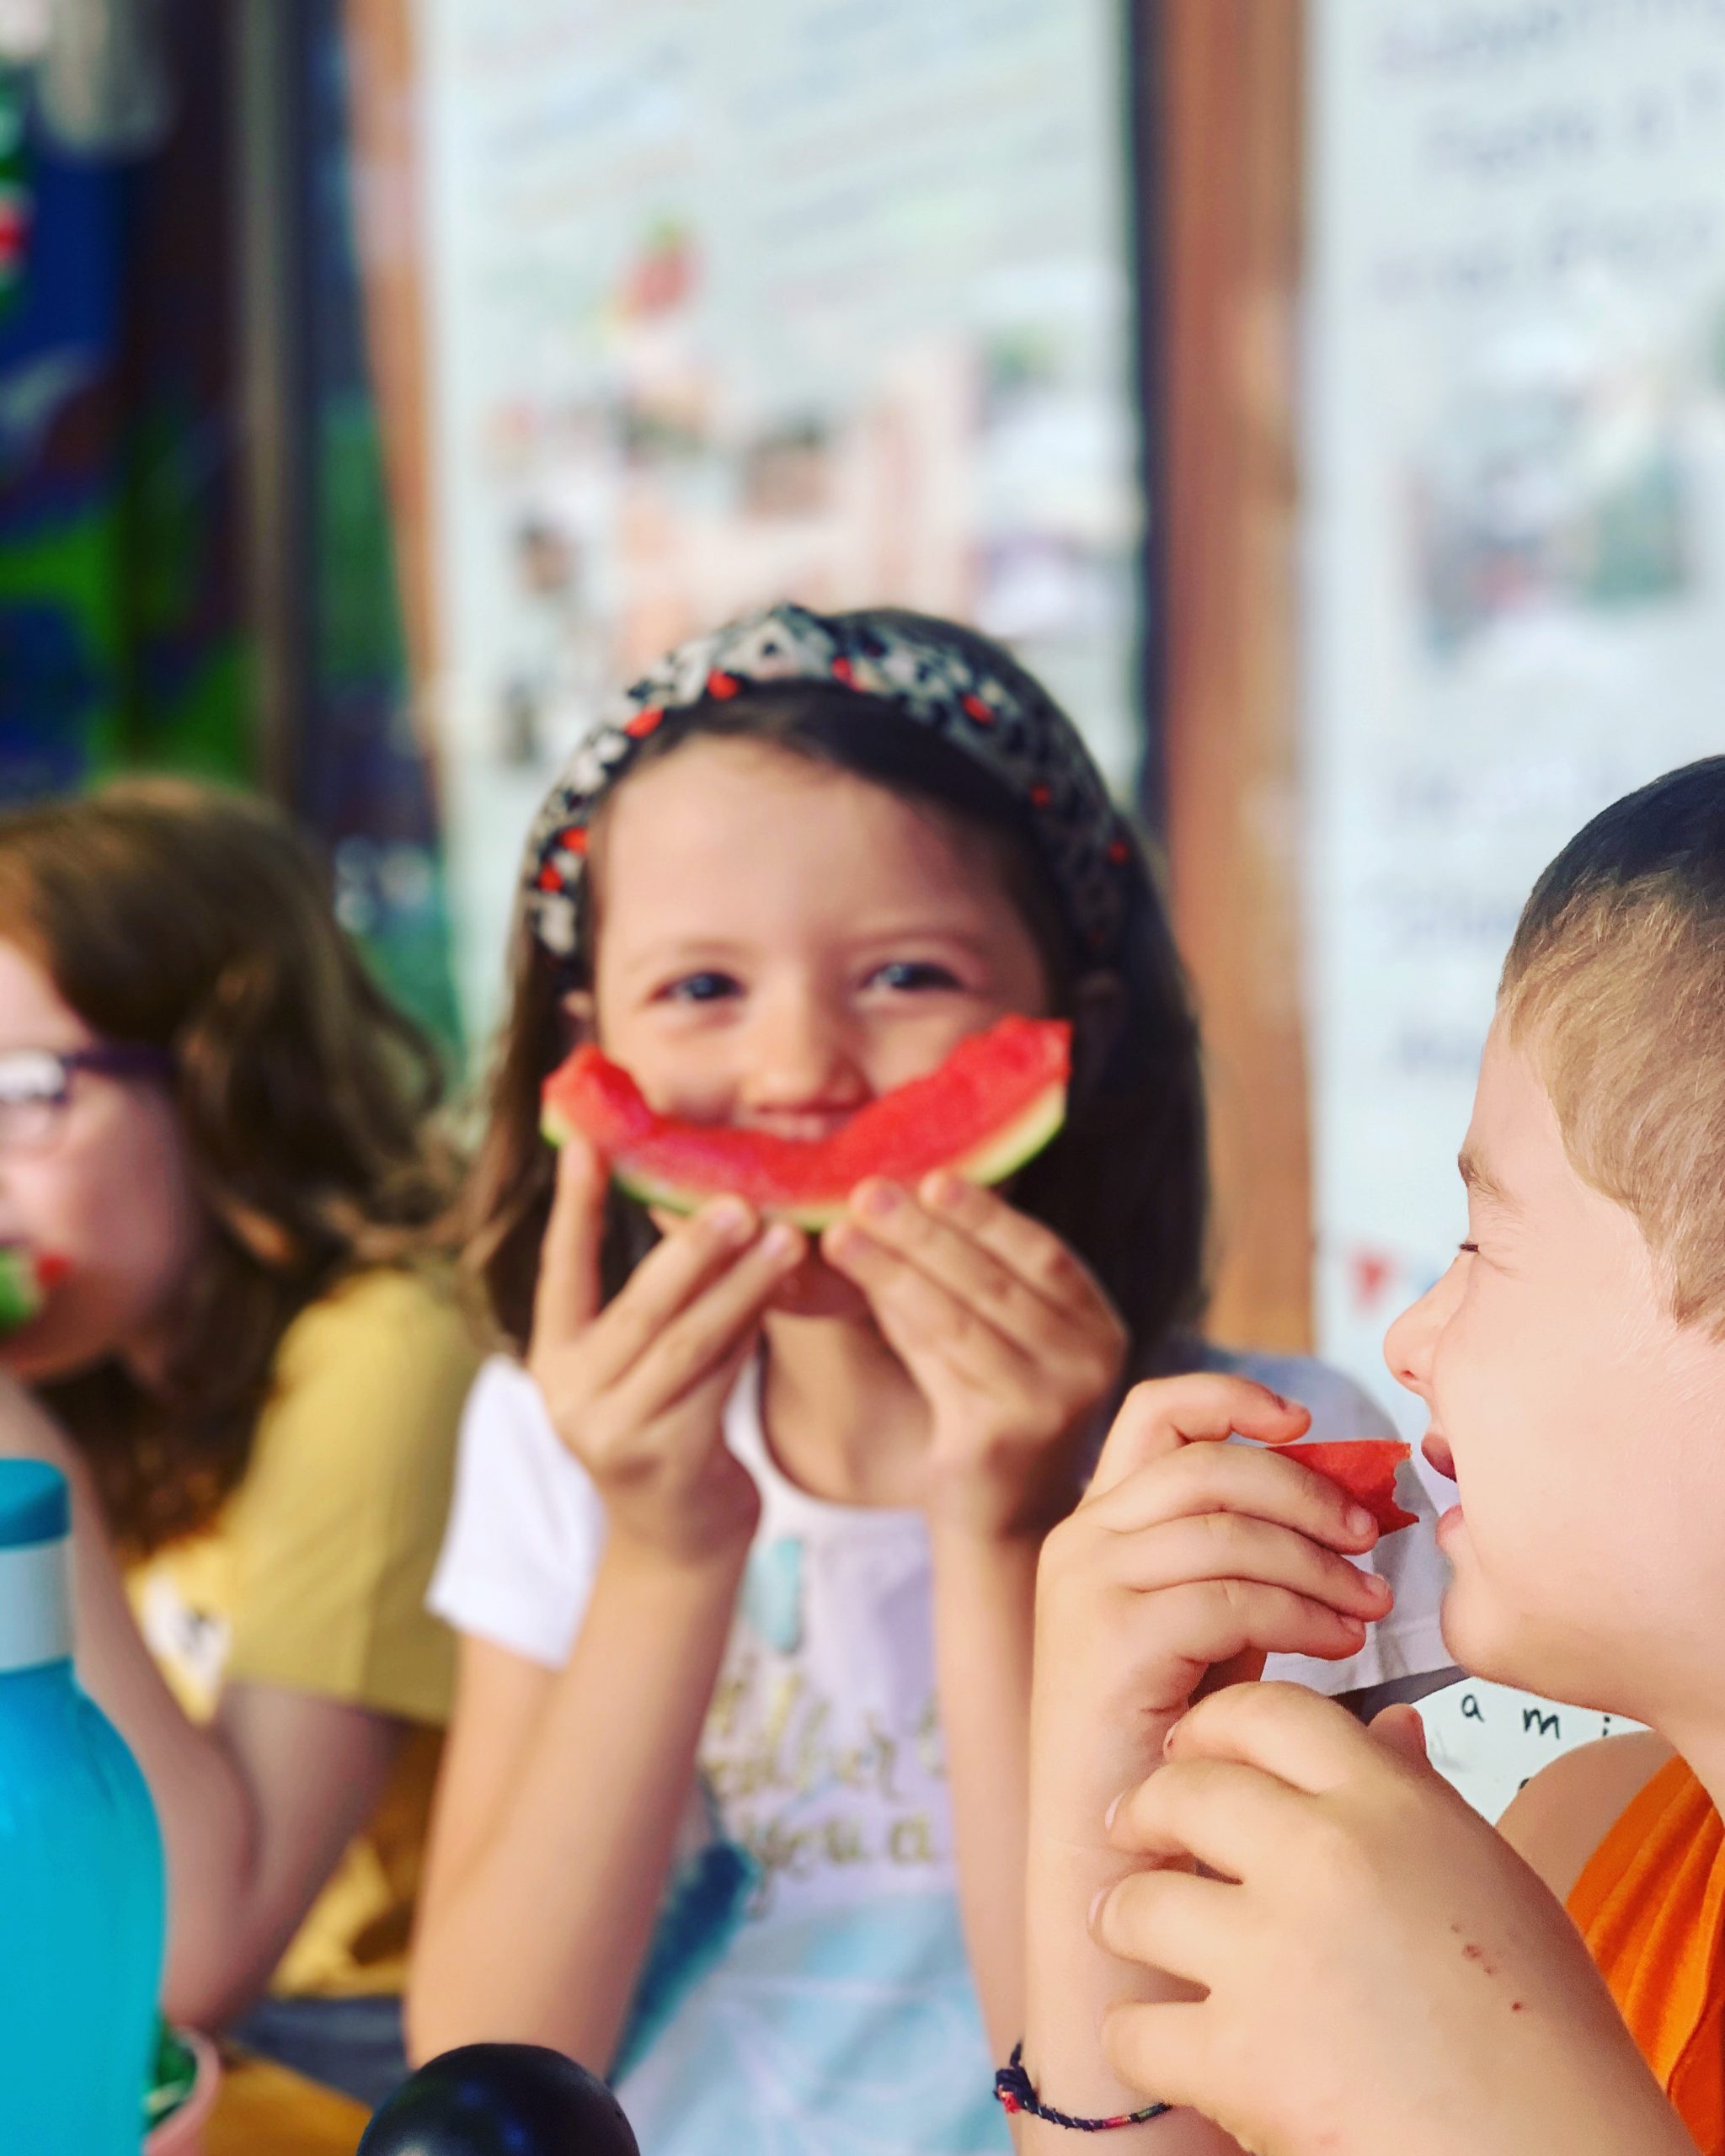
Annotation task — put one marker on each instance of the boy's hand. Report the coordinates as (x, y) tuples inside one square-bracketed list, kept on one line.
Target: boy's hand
[(1380, 1969), (1012, 1344), (636, 1389), (1188, 1562)]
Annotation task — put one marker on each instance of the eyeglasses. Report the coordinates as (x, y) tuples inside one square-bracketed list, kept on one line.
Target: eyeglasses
[(36, 1083)]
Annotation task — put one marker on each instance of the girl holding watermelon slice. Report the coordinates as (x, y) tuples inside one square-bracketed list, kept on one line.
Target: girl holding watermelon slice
[(1363, 1963), (216, 1126), (744, 1548)]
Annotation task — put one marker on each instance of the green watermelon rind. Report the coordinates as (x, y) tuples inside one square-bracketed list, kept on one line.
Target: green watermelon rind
[(20, 1286), (1002, 1153)]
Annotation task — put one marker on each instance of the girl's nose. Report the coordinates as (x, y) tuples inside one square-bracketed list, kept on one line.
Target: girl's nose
[(1410, 1341), (801, 1055)]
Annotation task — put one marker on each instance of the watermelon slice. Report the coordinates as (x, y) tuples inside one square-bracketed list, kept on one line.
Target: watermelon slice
[(25, 1278), (1365, 1471), (998, 1098)]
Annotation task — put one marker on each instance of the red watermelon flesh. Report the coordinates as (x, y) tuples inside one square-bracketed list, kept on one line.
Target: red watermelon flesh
[(1365, 1471), (998, 1098)]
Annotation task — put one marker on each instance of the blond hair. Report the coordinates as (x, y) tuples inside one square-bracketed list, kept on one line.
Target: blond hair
[(1616, 985)]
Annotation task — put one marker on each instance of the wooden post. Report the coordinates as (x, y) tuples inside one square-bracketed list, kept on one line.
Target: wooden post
[(270, 149), (382, 105), (1231, 82)]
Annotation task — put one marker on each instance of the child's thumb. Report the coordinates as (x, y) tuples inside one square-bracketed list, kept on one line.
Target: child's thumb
[(1401, 1730), (567, 1298)]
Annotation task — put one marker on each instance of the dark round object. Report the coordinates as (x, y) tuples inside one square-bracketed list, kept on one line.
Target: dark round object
[(500, 2099)]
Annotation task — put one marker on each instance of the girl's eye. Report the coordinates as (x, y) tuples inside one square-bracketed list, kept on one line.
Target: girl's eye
[(699, 988), (910, 974)]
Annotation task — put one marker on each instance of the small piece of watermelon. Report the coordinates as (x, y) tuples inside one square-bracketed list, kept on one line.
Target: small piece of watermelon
[(25, 1278), (1365, 1469), (998, 1098)]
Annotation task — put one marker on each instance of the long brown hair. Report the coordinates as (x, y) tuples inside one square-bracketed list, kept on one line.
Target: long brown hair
[(194, 920), (1126, 1181)]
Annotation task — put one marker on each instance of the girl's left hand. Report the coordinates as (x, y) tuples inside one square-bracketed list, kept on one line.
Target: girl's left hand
[(1005, 1334), (1377, 1967)]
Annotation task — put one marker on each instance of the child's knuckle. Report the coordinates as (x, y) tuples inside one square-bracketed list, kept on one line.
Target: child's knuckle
[(1332, 1856), (603, 1444), (1066, 1551), (1222, 1535), (677, 1364)]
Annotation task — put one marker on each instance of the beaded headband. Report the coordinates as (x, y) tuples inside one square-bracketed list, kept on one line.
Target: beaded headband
[(1016, 732)]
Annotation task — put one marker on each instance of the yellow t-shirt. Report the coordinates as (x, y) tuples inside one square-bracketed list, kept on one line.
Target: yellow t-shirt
[(313, 1579)]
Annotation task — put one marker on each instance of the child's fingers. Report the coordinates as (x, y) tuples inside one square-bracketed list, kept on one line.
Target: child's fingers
[(698, 1409), (566, 1299), (1222, 1545), (706, 1332), (1162, 2050), (1234, 1820), (1261, 1483), (1171, 1920), (701, 1249), (918, 1313), (1166, 1645), (892, 1221), (1401, 1729), (1032, 1253), (971, 1272), (1159, 1417), (1307, 1742)]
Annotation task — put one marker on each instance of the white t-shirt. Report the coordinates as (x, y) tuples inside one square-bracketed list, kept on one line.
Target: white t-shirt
[(808, 1993)]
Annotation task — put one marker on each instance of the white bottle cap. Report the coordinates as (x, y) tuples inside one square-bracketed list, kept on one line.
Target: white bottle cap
[(35, 1584)]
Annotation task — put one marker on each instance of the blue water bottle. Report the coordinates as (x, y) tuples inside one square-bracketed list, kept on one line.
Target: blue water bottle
[(80, 1872)]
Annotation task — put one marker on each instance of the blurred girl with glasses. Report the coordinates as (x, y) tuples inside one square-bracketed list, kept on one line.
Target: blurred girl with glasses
[(216, 1129)]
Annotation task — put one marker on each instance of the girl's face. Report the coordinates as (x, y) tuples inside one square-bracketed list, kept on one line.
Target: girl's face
[(105, 1185), (778, 942), (1583, 1425)]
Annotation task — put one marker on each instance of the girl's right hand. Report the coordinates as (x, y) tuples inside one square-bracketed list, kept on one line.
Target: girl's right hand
[(1187, 1563), (637, 1388)]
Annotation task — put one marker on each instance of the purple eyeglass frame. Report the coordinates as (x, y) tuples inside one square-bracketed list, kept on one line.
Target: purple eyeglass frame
[(107, 1059)]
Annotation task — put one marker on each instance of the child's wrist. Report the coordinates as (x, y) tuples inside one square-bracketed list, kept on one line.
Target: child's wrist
[(958, 1533), (1085, 1759), (965, 1505), (699, 1571), (1072, 1979)]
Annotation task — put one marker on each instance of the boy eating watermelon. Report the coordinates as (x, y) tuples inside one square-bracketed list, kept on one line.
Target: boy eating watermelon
[(1292, 1937)]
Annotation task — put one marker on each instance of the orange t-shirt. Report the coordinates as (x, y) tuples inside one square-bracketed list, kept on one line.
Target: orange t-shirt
[(1650, 1906)]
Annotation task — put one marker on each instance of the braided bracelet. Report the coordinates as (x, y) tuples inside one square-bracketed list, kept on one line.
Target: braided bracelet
[(1014, 2095)]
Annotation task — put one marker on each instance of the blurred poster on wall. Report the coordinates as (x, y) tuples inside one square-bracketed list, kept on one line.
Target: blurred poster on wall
[(1516, 460), (738, 299)]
